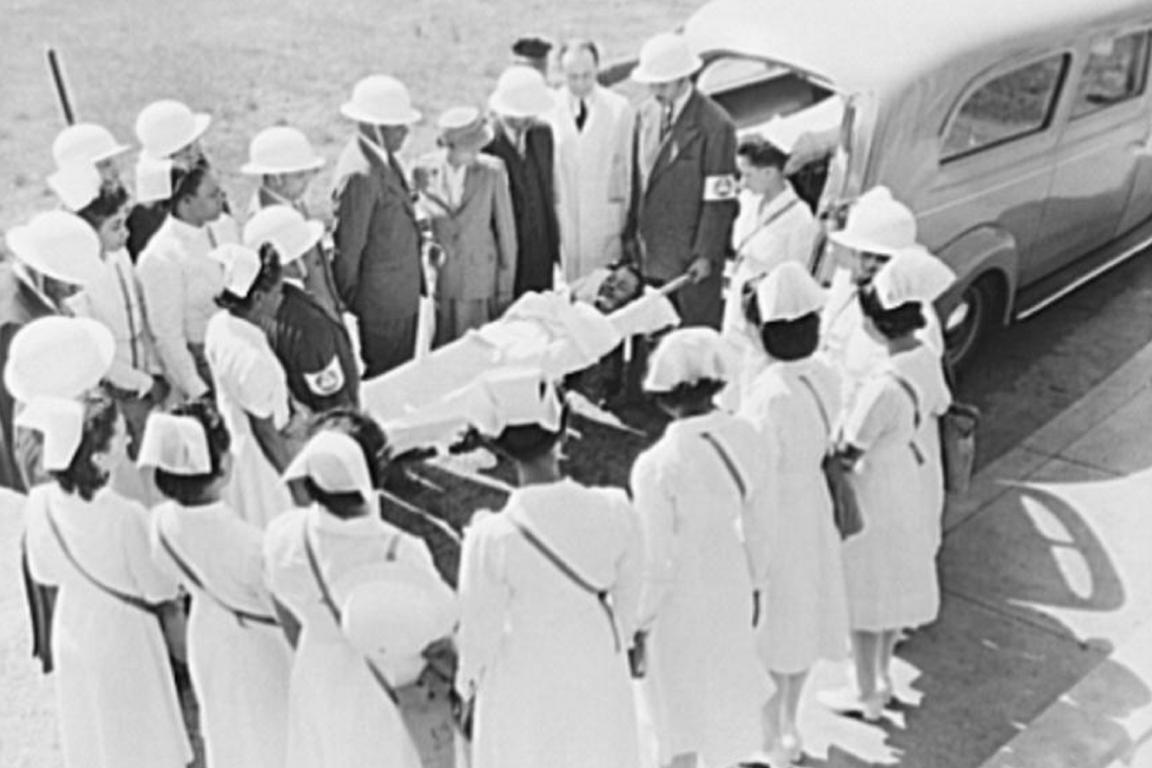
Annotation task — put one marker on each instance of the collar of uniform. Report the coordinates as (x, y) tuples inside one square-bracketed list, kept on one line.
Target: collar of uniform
[(367, 526), (778, 203), (680, 103), (379, 151), (185, 231)]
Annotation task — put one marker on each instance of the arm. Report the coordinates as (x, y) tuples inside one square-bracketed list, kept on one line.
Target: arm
[(635, 193), (162, 284), (483, 606), (718, 208), (354, 203), (656, 515), (629, 586), (504, 223), (153, 582)]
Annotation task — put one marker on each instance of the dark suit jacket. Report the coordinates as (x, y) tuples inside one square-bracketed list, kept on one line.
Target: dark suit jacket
[(684, 199), (532, 181), (377, 262)]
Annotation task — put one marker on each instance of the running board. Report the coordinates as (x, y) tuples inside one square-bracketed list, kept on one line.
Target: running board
[(1046, 292)]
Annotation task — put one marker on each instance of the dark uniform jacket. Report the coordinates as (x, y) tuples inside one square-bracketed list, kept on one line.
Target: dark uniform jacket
[(532, 182), (684, 200), (316, 353), (377, 262)]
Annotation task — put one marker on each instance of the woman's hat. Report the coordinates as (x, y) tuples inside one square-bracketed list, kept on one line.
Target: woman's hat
[(789, 292), (521, 92), (175, 444), (511, 397), (61, 421), (76, 185), (664, 58), (914, 274), (687, 356), (380, 100), (280, 149), (335, 463), (58, 244), (286, 229), (85, 144), (166, 127), (58, 356), (241, 267), (464, 127), (877, 223), (153, 178)]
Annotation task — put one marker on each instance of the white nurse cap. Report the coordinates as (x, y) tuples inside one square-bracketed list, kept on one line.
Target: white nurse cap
[(241, 267), (334, 462), (687, 356), (175, 444), (789, 292), (913, 274), (61, 422)]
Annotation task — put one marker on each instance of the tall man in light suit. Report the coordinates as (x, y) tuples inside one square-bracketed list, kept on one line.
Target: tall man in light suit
[(377, 265), (684, 181), (593, 128)]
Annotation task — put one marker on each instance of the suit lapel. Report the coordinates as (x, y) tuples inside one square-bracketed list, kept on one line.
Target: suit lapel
[(684, 131), (471, 185), (388, 175)]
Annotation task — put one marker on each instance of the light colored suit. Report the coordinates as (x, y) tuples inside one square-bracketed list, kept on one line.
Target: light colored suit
[(593, 178)]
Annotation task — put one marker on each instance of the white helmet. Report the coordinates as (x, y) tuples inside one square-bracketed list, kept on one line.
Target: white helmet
[(280, 150), (380, 100), (76, 185), (58, 356), (877, 223), (521, 92), (286, 229), (85, 144), (166, 127), (664, 58), (58, 244)]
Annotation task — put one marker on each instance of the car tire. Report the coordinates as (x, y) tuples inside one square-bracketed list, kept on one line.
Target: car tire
[(982, 305)]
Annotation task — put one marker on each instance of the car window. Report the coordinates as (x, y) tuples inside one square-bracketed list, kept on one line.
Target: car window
[(1115, 74), (1010, 106), (727, 72)]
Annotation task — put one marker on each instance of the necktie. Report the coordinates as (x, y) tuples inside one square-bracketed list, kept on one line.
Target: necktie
[(581, 115), (399, 172), (666, 122)]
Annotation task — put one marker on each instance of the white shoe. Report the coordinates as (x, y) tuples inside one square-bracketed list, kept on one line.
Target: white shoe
[(847, 701), (792, 746)]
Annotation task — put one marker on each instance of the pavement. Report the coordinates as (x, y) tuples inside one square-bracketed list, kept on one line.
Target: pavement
[(1041, 657)]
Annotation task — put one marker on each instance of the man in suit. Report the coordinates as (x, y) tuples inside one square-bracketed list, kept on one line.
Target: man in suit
[(684, 180), (378, 244), (525, 145), (593, 128)]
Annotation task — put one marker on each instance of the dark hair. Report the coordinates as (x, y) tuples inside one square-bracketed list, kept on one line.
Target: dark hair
[(690, 394), (372, 441), (892, 323), (531, 47), (82, 476), (791, 339), (581, 45), (186, 183), (266, 279), (106, 205), (762, 153), (189, 489), (748, 301)]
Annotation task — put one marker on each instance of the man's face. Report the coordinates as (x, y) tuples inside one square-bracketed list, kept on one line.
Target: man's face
[(756, 179), (392, 137), (667, 93), (189, 156), (579, 71), (114, 232), (620, 287), (207, 204), (867, 265), (290, 185), (109, 171)]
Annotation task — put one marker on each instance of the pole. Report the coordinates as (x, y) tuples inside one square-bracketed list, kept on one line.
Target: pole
[(61, 88)]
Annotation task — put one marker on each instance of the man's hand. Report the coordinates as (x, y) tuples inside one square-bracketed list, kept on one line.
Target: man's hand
[(699, 270)]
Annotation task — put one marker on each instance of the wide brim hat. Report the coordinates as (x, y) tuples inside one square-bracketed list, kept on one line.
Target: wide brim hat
[(464, 127), (665, 58), (380, 100), (58, 356), (286, 229), (521, 92), (877, 223), (280, 149), (59, 245), (166, 127), (688, 356), (76, 185), (85, 144)]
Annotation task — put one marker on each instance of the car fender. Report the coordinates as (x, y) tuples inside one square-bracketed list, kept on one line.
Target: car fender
[(981, 250)]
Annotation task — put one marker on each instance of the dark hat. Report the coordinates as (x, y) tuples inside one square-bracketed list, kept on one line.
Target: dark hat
[(532, 48)]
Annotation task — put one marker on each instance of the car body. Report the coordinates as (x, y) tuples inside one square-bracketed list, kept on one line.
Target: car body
[(1018, 132)]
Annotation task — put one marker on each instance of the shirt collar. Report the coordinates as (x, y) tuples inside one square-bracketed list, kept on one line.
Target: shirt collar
[(679, 104), (368, 526), (184, 230), (778, 203)]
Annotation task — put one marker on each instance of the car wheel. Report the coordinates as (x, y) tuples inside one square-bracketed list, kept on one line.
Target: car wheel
[(980, 308)]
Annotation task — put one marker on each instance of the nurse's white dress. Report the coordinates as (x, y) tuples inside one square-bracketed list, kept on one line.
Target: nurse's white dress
[(115, 696), (805, 615), (338, 715), (239, 670), (890, 566), (552, 687), (705, 686), (248, 380)]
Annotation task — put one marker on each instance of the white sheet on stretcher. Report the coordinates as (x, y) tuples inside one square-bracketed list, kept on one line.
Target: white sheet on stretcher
[(425, 402)]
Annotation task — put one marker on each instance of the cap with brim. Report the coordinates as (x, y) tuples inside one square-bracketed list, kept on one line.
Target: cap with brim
[(513, 397), (280, 149), (76, 186), (58, 244), (241, 267), (175, 444), (166, 127), (380, 100), (286, 229), (789, 292), (688, 356), (464, 127), (335, 463), (877, 223), (665, 58), (521, 92), (85, 144), (59, 357), (913, 274), (61, 422)]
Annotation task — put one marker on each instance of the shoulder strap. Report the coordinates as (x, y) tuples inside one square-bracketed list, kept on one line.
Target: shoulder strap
[(133, 600), (907, 387), (819, 403), (729, 464), (240, 614), (329, 603), (551, 556), (761, 226)]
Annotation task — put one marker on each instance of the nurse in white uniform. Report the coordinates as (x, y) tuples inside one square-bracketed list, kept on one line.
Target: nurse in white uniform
[(342, 703), (705, 687), (237, 656), (250, 384), (794, 403), (116, 701), (548, 589)]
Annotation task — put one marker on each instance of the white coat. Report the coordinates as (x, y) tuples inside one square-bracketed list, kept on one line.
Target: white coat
[(338, 715), (239, 670), (249, 380), (593, 178), (115, 696), (551, 685), (805, 609), (705, 685)]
